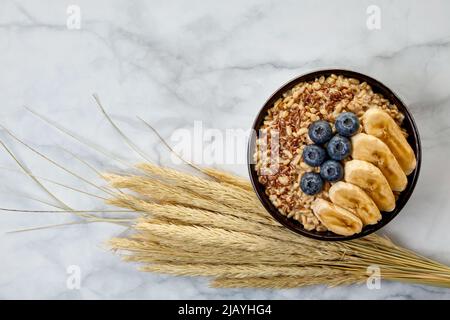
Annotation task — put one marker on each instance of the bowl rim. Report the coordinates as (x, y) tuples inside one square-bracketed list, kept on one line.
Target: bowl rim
[(413, 139)]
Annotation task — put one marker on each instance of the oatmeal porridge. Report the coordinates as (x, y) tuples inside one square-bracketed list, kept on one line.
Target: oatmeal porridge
[(290, 118)]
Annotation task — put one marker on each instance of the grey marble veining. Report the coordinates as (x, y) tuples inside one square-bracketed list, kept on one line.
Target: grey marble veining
[(175, 62)]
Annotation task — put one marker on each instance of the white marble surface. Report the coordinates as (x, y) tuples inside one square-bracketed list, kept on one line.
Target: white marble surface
[(174, 62)]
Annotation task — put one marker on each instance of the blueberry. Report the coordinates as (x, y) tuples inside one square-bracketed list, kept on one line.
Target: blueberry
[(331, 170), (314, 155), (347, 124), (339, 147), (311, 183), (320, 131)]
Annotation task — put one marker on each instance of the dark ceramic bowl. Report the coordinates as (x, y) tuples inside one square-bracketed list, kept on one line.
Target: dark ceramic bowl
[(413, 139)]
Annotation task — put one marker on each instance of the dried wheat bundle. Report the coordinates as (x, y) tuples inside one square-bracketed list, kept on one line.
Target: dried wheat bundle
[(214, 226)]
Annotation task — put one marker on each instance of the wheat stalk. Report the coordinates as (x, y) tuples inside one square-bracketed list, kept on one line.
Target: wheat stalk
[(228, 178), (226, 194), (149, 249), (159, 191), (286, 282), (240, 271)]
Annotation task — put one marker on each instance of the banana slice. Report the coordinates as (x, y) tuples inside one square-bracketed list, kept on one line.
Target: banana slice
[(336, 219), (380, 124), (355, 200), (369, 178), (375, 151)]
